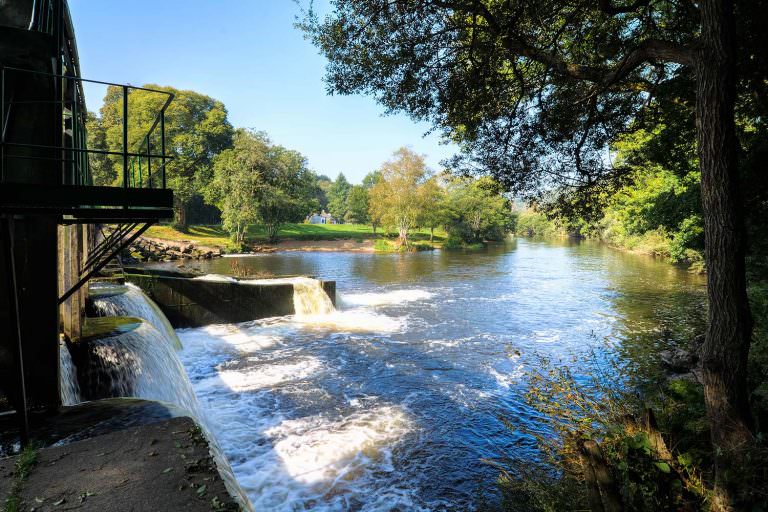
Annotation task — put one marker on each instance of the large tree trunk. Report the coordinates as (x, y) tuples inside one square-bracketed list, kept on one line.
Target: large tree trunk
[(181, 221), (725, 350)]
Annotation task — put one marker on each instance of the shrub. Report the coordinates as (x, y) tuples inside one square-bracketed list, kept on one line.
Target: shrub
[(383, 246)]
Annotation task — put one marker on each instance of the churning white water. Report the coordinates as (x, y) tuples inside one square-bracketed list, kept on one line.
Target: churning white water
[(133, 302), (385, 298), (292, 444), (70, 390)]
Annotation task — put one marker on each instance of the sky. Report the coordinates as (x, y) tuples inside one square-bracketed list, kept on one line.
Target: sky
[(247, 54)]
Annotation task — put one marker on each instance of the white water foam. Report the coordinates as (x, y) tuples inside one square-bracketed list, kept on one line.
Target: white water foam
[(264, 376), (384, 299), (217, 278), (313, 449), (355, 320)]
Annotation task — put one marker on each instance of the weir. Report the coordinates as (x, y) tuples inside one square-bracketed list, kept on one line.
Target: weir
[(195, 301)]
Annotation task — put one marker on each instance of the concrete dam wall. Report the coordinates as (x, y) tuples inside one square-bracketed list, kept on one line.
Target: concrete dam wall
[(189, 301)]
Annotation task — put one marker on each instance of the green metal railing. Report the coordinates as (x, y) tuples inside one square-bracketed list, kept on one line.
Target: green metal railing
[(143, 165)]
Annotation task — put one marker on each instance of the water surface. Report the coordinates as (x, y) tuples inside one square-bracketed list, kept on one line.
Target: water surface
[(391, 402)]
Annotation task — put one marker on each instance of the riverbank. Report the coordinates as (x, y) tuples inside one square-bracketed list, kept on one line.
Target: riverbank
[(165, 243)]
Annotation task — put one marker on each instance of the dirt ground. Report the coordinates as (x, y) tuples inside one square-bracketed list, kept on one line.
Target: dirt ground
[(347, 245)]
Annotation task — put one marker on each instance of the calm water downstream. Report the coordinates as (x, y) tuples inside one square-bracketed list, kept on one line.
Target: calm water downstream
[(391, 402)]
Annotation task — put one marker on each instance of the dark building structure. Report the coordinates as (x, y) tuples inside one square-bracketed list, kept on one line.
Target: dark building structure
[(50, 245)]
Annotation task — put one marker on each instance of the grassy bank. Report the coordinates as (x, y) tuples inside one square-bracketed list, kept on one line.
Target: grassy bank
[(214, 235)]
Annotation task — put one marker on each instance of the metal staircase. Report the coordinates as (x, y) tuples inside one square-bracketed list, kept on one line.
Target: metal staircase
[(109, 248)]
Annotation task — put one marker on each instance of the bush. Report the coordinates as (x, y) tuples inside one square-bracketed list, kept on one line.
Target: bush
[(454, 243), (648, 475), (381, 245)]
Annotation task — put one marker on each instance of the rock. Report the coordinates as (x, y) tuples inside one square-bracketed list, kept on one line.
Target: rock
[(679, 360)]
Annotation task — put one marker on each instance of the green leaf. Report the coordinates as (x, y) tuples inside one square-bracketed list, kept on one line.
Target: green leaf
[(663, 467)]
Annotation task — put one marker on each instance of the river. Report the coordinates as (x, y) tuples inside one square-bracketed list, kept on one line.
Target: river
[(391, 402)]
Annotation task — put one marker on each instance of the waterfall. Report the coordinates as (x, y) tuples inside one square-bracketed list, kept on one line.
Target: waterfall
[(140, 363), (133, 302), (309, 298), (70, 390)]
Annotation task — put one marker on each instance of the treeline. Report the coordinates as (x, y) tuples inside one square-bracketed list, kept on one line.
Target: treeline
[(238, 177), (406, 195), (217, 173), (656, 209)]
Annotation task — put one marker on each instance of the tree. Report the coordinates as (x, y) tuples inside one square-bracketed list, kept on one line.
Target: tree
[(196, 129), (323, 185), (435, 208), (396, 198), (371, 179), (374, 216), (236, 181), (357, 205), (534, 91), (477, 210), (337, 197), (102, 167), (257, 181)]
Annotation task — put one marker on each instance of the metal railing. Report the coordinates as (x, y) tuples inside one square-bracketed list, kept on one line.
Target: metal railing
[(143, 164), (42, 16)]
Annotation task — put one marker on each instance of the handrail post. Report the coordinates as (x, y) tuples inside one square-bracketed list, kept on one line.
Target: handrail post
[(75, 139), (2, 124), (125, 136), (162, 144), (149, 161)]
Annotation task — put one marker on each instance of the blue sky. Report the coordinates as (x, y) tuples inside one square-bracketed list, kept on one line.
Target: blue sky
[(247, 54)]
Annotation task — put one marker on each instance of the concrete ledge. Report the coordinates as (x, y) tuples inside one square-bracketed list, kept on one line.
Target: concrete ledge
[(195, 302), (161, 466)]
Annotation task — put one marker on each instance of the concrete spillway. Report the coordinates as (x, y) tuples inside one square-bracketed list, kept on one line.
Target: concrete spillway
[(189, 301)]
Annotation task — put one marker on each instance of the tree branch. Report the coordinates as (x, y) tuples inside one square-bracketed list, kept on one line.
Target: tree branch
[(649, 50), (608, 8)]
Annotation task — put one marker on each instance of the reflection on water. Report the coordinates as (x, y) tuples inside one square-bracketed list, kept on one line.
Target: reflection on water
[(391, 402)]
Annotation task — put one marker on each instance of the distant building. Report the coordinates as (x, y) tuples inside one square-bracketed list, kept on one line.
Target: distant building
[(321, 218)]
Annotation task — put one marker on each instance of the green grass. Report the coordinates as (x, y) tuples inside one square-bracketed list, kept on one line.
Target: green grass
[(215, 236), (27, 459)]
